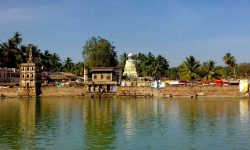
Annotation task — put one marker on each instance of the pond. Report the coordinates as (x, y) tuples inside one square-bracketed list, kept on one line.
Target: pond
[(124, 123)]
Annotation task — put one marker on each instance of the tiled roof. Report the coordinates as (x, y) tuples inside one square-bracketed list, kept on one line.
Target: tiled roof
[(102, 69)]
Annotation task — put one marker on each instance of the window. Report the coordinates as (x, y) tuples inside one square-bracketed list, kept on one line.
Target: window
[(101, 76), (108, 77), (95, 76)]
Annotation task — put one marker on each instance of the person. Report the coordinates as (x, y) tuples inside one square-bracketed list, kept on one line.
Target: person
[(103, 89)]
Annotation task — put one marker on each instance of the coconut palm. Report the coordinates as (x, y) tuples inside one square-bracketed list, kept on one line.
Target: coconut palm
[(159, 67), (10, 52), (172, 73), (68, 65), (230, 62), (210, 71), (17, 40), (4, 54), (56, 62), (141, 64), (79, 69), (189, 69), (123, 59)]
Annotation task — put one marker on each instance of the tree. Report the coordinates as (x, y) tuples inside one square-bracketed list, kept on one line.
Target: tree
[(189, 69), (99, 52), (17, 40), (122, 60), (56, 62), (68, 65), (13, 53), (210, 71), (231, 62), (243, 70), (46, 60), (172, 73), (79, 69), (141, 64), (159, 66)]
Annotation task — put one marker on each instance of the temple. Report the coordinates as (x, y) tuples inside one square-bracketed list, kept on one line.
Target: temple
[(130, 67), (29, 77)]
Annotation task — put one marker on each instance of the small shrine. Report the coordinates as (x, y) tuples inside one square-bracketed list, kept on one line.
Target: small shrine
[(29, 79), (130, 67)]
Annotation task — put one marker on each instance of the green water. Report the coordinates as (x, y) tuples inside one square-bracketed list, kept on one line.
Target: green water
[(80, 123)]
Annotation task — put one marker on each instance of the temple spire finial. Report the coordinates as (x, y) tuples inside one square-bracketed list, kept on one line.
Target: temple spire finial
[(30, 60)]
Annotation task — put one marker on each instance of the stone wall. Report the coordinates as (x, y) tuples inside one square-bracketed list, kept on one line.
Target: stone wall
[(8, 92), (62, 91), (212, 91)]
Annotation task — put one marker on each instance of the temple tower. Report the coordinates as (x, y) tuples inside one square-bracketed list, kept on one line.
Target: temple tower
[(130, 68), (29, 78)]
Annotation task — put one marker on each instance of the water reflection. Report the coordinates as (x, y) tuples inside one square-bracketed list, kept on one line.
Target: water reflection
[(99, 125), (244, 116), (76, 123), (17, 119)]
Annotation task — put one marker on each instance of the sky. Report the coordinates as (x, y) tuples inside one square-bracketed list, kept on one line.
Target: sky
[(175, 29)]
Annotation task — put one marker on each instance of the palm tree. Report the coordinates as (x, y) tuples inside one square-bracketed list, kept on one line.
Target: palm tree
[(189, 69), (79, 69), (4, 54), (68, 65), (172, 73), (148, 65), (122, 60), (12, 54), (210, 71), (46, 60), (141, 64), (230, 62), (17, 40), (159, 67), (56, 62)]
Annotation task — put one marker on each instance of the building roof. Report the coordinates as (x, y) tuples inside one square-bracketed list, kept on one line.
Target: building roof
[(58, 77), (68, 74), (103, 69)]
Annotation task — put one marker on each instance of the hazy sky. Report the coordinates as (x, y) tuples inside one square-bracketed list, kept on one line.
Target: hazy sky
[(175, 29)]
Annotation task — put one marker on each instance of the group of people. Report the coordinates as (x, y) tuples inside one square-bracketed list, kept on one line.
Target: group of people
[(100, 89)]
